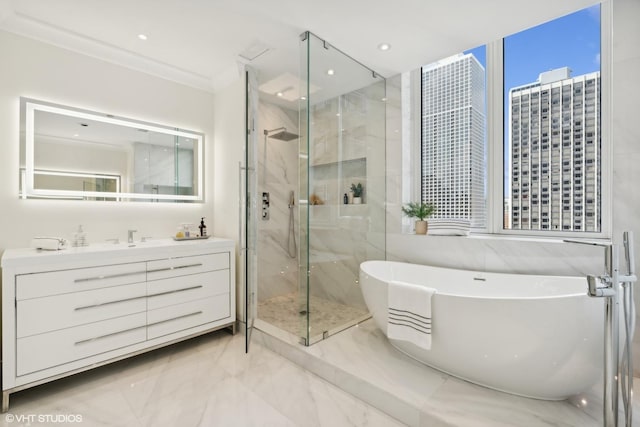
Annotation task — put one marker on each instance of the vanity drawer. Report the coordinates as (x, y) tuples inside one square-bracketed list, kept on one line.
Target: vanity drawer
[(39, 315), (177, 290), (65, 281), (181, 266), (43, 351), (179, 317)]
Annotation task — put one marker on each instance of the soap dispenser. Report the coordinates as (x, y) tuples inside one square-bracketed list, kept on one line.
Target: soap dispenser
[(203, 228), (80, 237)]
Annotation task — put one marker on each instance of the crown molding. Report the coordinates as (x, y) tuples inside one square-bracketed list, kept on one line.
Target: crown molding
[(26, 26)]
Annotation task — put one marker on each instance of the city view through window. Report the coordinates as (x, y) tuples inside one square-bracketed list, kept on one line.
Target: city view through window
[(551, 147)]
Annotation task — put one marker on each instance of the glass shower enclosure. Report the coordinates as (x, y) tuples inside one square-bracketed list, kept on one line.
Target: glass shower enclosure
[(342, 185), (311, 139)]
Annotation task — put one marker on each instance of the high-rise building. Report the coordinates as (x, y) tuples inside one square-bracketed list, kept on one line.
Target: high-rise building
[(554, 134), (453, 138)]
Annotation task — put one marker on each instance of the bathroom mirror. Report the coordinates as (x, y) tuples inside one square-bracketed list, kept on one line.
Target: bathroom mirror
[(76, 154)]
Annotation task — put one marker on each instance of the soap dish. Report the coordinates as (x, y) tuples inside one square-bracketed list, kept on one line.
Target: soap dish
[(191, 238)]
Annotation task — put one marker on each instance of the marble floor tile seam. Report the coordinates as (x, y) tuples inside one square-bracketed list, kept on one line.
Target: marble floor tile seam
[(397, 372), (426, 407), (361, 390), (265, 389)]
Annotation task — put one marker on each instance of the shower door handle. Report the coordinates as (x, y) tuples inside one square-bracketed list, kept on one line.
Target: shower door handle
[(241, 218)]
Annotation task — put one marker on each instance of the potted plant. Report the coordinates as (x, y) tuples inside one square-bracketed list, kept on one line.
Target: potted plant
[(357, 193), (421, 211)]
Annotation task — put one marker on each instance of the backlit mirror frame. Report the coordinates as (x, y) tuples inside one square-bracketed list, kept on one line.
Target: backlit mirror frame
[(28, 109)]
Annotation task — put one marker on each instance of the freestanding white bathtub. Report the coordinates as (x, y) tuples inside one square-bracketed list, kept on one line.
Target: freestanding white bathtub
[(535, 336)]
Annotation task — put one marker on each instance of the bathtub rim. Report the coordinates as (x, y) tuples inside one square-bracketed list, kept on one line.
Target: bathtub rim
[(482, 297)]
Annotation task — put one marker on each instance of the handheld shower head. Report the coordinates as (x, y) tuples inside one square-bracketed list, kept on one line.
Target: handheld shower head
[(292, 200)]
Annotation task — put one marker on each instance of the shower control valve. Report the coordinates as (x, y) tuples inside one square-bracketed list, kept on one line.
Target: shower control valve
[(265, 205)]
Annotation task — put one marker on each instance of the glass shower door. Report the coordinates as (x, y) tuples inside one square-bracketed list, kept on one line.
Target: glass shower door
[(342, 147), (248, 221)]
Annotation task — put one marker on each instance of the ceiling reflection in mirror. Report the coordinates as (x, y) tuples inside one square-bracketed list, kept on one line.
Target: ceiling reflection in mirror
[(75, 154)]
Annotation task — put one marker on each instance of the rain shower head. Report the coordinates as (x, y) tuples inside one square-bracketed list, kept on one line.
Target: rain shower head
[(283, 135)]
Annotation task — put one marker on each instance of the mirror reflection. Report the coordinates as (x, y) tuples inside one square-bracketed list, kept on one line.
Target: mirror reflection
[(78, 154)]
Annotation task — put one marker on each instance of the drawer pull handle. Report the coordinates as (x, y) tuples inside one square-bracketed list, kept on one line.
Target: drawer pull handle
[(109, 276), (157, 270), (175, 291), (108, 302), (195, 313), (108, 335)]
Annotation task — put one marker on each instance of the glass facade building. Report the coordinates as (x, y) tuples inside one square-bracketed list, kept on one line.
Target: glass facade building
[(453, 138)]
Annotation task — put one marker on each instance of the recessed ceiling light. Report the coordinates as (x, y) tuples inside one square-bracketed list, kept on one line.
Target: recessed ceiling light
[(142, 36), (303, 97), (384, 46), (76, 135), (280, 94), (330, 72), (383, 99)]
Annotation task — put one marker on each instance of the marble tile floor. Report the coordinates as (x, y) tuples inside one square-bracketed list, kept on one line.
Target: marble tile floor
[(206, 381), (284, 312), (361, 361)]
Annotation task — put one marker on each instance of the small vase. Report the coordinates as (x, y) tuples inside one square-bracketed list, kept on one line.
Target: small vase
[(421, 227), (357, 200)]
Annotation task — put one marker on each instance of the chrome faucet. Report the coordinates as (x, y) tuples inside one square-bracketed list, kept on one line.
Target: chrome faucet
[(606, 286), (602, 286), (130, 235), (609, 285)]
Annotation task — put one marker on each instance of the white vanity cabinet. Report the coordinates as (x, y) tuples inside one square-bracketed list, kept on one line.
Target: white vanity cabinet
[(68, 311)]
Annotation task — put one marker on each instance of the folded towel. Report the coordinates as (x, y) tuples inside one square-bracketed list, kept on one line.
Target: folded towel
[(410, 313), (49, 243), (449, 227)]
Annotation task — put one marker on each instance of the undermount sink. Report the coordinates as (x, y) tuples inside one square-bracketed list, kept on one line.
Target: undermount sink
[(137, 243)]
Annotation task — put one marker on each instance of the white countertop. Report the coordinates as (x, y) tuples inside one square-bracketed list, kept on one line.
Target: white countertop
[(106, 253)]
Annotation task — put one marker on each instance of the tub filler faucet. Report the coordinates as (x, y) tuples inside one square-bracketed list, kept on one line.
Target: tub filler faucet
[(130, 235), (616, 288)]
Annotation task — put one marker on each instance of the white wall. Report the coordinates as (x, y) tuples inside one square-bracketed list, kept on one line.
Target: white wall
[(41, 71), (229, 136)]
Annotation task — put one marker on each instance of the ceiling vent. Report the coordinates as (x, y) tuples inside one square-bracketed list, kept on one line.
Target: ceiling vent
[(253, 51)]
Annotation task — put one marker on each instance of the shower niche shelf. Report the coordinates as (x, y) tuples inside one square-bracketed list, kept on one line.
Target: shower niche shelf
[(330, 181)]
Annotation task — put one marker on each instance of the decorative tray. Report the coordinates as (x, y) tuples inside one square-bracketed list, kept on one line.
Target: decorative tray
[(191, 238)]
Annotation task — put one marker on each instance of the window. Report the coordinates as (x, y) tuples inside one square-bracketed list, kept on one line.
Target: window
[(454, 156), (547, 131)]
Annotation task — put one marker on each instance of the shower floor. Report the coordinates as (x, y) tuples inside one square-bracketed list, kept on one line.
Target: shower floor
[(286, 312)]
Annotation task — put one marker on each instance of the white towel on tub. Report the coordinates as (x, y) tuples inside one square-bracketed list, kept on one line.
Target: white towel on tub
[(410, 313)]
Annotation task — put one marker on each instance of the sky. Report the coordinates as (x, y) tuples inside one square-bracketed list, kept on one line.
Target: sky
[(571, 41)]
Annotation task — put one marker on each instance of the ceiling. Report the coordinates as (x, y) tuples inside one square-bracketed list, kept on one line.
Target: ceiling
[(199, 42)]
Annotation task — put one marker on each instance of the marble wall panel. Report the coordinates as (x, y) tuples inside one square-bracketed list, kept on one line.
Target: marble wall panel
[(342, 236), (277, 174), (625, 132)]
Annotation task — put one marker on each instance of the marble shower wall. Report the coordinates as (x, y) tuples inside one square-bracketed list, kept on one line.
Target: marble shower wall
[(277, 174), (347, 147)]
